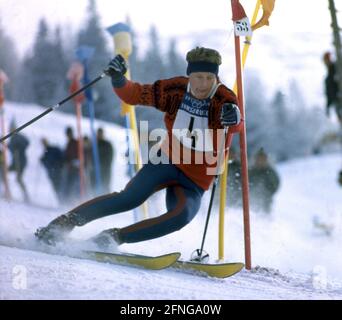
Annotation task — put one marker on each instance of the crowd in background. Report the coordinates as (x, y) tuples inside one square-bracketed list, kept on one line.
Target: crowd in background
[(62, 165)]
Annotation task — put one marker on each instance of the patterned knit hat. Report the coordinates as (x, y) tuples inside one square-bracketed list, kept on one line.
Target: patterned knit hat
[(203, 60)]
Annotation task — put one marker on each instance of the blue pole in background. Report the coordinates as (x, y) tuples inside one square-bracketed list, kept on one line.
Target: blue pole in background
[(84, 54)]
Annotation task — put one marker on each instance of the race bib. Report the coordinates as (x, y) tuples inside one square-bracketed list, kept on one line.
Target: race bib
[(191, 124)]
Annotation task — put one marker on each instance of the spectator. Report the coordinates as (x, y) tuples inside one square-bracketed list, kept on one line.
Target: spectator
[(340, 178), (106, 155), (2, 162), (234, 189), (88, 165), (264, 182), (17, 146), (53, 159), (71, 183), (331, 86)]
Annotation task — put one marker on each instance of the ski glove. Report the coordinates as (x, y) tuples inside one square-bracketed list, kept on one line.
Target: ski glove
[(230, 115), (116, 70)]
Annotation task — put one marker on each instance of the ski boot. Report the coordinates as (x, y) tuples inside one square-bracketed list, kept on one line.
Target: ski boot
[(58, 228), (107, 238)]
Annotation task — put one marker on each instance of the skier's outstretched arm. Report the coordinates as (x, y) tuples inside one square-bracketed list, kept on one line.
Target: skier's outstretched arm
[(158, 94)]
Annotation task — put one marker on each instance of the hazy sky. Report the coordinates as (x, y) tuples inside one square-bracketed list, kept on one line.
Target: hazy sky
[(294, 23), (176, 17)]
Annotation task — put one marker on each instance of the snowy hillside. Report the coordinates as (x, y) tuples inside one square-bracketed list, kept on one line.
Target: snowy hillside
[(296, 259)]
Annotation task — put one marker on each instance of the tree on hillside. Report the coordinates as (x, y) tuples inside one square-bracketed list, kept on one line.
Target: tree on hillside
[(43, 75), (60, 65), (147, 70), (306, 125), (154, 66), (9, 61), (135, 62), (257, 115), (280, 127), (176, 64), (295, 127), (153, 63), (93, 35)]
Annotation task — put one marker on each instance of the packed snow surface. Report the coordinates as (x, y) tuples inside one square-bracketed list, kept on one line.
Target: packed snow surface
[(293, 257)]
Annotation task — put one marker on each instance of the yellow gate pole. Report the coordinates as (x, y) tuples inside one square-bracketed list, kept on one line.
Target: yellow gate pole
[(122, 38)]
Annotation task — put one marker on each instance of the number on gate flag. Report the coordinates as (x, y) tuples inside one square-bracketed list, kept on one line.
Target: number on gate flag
[(242, 26)]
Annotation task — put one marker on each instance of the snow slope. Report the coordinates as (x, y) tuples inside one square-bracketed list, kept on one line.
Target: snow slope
[(298, 260), (52, 277)]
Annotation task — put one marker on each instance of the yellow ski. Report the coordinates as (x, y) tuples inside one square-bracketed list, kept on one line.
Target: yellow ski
[(148, 262), (221, 270)]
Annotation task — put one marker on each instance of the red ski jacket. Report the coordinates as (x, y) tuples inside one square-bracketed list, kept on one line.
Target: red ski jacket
[(168, 96)]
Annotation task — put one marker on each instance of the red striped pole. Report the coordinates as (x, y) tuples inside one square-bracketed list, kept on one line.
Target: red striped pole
[(75, 74), (237, 10)]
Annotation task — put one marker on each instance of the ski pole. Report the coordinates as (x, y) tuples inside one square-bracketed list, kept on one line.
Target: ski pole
[(53, 107), (199, 252)]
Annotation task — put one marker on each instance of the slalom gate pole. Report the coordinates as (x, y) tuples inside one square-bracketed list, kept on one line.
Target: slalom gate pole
[(75, 74), (243, 151), (47, 111), (80, 148), (244, 162), (224, 177), (122, 38)]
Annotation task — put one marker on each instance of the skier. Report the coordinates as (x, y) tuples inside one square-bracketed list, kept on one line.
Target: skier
[(192, 105)]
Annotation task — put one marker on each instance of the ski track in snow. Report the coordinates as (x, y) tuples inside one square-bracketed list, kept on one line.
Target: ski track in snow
[(298, 261), (57, 277)]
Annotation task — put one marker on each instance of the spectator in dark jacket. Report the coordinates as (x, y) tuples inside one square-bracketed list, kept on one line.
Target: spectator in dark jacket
[(340, 178), (106, 155), (264, 183), (2, 161), (71, 181), (53, 159), (88, 166), (234, 189), (17, 146), (331, 86)]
